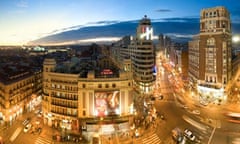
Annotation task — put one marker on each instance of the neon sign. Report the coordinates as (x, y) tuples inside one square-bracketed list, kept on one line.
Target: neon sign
[(147, 32)]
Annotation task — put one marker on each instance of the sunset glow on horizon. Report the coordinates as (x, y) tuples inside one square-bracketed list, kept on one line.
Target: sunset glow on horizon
[(27, 20)]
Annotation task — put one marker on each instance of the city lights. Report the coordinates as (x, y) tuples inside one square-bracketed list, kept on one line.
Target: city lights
[(98, 85), (236, 38)]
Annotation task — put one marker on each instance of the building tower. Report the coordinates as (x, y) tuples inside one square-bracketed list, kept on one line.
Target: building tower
[(213, 53), (142, 55)]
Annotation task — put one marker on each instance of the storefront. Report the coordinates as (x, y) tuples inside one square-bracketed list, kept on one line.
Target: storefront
[(211, 94)]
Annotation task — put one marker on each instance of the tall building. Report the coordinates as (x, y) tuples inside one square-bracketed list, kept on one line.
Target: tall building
[(210, 54), (142, 55)]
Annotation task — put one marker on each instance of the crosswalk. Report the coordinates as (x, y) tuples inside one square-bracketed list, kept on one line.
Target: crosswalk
[(43, 140), (152, 139)]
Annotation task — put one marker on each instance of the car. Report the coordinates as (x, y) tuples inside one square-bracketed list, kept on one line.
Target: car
[(189, 134), (185, 107), (197, 112), (37, 111), (27, 127), (153, 98), (204, 103), (39, 130), (160, 97)]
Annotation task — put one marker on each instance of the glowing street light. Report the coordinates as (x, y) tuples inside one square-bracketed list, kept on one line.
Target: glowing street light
[(236, 38)]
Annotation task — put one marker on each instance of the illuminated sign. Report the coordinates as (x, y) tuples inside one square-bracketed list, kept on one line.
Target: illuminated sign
[(107, 103), (147, 32), (106, 72), (154, 70)]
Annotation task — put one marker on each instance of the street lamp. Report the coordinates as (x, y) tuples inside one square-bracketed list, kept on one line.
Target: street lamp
[(236, 39)]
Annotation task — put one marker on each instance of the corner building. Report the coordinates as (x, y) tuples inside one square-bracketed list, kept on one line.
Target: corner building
[(142, 55), (96, 102), (19, 93), (210, 54)]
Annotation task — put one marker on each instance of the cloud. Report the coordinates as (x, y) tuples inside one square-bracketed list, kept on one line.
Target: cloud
[(90, 24), (177, 35), (178, 19), (84, 41), (22, 4), (163, 10)]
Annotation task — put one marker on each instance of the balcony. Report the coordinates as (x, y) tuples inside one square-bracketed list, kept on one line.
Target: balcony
[(64, 114), (65, 97), (64, 105)]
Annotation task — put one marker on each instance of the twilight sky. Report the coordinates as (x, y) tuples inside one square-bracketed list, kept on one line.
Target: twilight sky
[(25, 20)]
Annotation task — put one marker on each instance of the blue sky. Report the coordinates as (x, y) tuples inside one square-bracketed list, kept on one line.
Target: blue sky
[(24, 20)]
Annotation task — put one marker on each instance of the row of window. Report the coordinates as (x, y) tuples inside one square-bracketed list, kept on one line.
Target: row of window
[(62, 103), (64, 111), (63, 87), (215, 14), (65, 95), (70, 88)]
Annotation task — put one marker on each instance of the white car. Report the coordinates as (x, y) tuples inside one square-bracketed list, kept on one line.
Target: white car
[(185, 107), (27, 127), (189, 134), (197, 112)]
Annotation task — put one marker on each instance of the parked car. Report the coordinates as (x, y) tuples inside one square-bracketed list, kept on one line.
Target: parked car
[(189, 134), (27, 127)]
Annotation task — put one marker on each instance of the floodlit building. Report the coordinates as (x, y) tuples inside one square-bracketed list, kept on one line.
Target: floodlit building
[(85, 96), (210, 55), (20, 91), (142, 55)]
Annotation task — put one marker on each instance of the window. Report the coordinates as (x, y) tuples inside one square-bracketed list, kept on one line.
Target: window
[(114, 85), (107, 86)]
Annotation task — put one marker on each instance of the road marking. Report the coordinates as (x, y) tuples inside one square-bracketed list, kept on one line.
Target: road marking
[(43, 140), (210, 139), (198, 125), (15, 134), (152, 139)]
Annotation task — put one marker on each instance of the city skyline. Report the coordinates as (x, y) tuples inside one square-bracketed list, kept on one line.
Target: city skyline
[(25, 20)]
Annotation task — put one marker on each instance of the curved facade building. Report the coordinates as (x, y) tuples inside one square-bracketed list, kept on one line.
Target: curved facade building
[(78, 102), (143, 57)]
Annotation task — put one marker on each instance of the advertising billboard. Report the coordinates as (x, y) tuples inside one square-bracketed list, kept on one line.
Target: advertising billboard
[(106, 103)]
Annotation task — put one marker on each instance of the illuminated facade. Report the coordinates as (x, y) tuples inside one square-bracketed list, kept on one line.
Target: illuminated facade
[(19, 93), (142, 55), (75, 102), (210, 54)]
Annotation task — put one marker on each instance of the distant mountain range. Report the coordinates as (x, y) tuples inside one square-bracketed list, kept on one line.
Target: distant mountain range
[(179, 29)]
